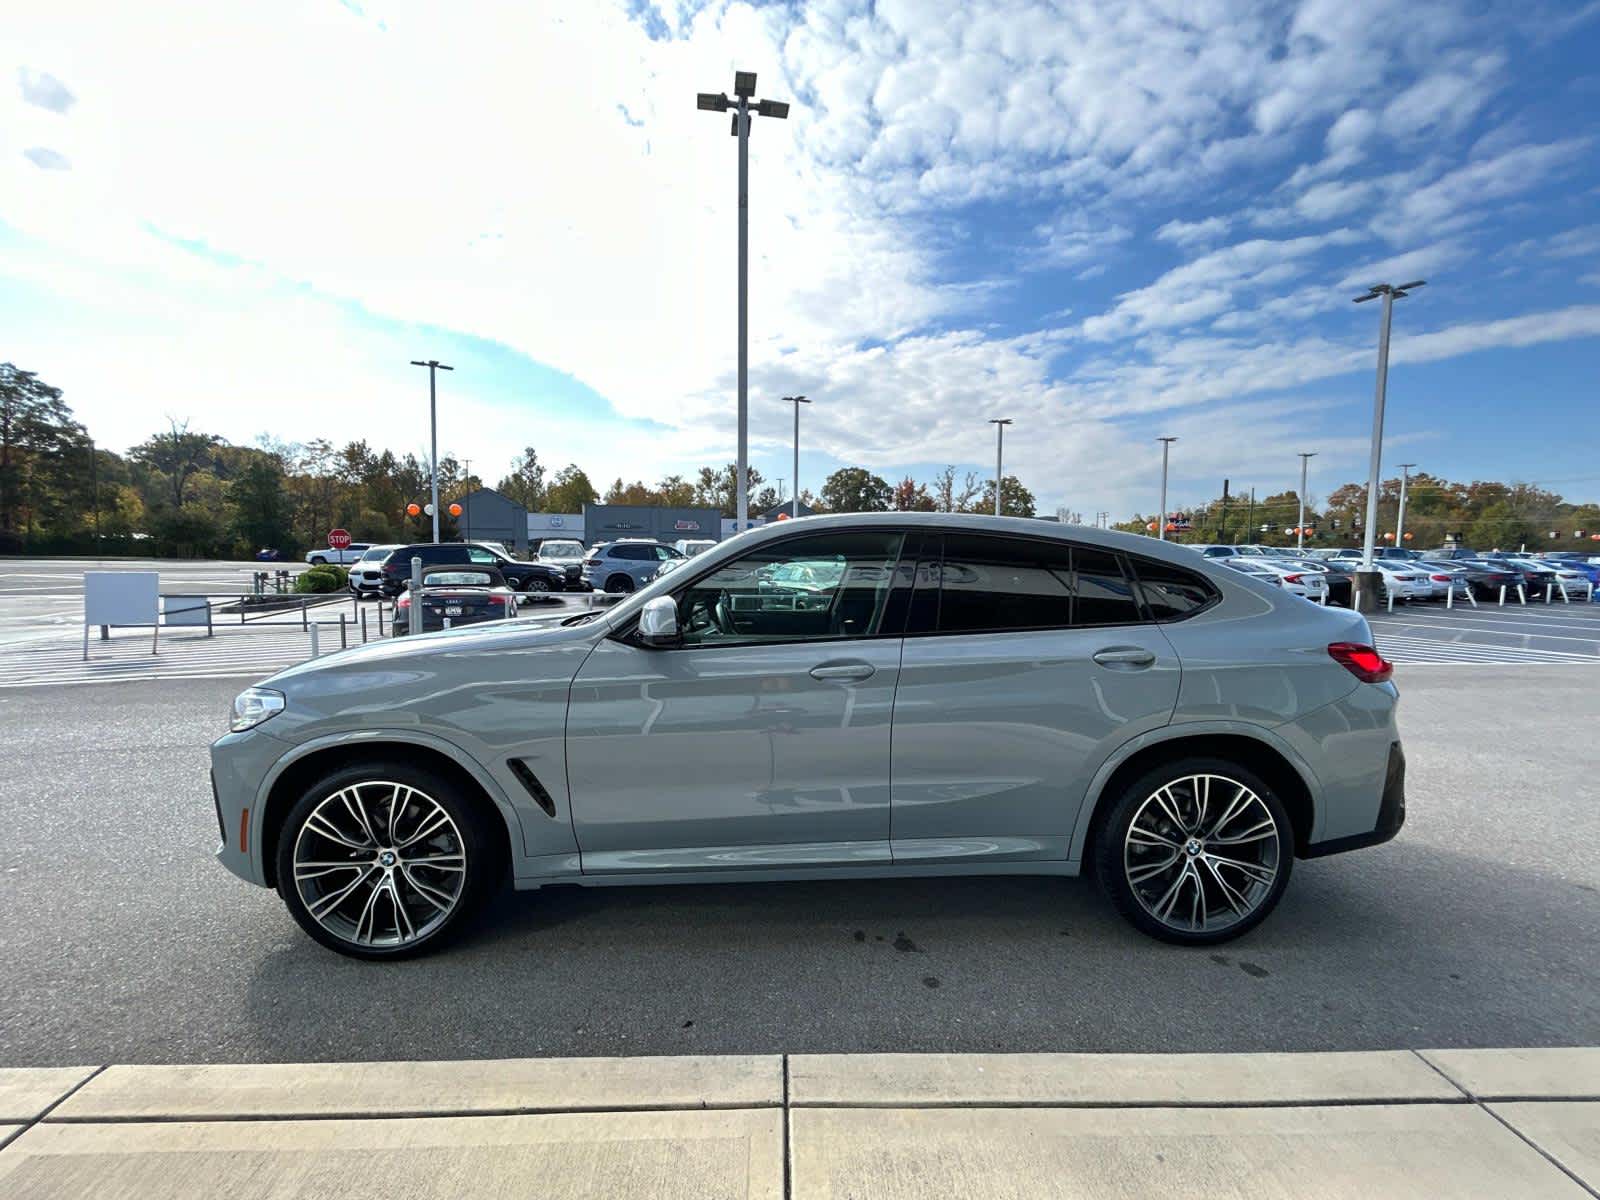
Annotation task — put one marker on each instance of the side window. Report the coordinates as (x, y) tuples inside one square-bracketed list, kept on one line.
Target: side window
[(1171, 593), (988, 584), (825, 586), (481, 557), (1104, 595), (434, 554), (663, 553)]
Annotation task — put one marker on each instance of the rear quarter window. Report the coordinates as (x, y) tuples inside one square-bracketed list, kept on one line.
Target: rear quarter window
[(1170, 592)]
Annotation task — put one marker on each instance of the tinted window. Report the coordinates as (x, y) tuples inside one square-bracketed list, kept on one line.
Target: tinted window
[(992, 583), (1170, 592), (827, 585), (440, 554), (478, 555), (1103, 595)]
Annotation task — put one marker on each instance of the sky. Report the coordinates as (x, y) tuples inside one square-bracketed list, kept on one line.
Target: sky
[(1107, 222)]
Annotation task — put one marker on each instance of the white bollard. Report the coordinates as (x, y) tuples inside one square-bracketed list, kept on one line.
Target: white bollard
[(1502, 595), (1590, 599), (1391, 600), (1547, 596), (1522, 593), (1470, 596), (315, 649), (1450, 597), (1355, 599)]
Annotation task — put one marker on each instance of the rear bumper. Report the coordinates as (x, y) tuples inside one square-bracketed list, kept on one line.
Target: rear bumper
[(1391, 813)]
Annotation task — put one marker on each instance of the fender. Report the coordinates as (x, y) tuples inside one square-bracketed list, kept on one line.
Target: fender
[(360, 737), (1173, 733)]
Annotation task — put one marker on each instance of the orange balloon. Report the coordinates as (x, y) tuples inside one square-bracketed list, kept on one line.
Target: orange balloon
[(413, 510), (1409, 536), (455, 510), (783, 516), (1151, 526)]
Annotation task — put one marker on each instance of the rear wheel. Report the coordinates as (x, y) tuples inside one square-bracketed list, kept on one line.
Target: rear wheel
[(1196, 851), (318, 560), (385, 860), (619, 583)]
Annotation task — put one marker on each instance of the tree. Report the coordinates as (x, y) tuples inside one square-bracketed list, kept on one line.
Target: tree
[(525, 484), (855, 489), (630, 493), (911, 496), (675, 492), (719, 489), (570, 491), (176, 456), (260, 514), (37, 439), (949, 497), (1015, 500)]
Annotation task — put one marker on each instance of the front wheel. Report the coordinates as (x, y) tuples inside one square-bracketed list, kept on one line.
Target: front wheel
[(385, 860), (537, 585), (1196, 852)]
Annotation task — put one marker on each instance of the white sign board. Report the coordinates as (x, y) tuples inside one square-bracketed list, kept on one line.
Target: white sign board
[(120, 598), (186, 610)]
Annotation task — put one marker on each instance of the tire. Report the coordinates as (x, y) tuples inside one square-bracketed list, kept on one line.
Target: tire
[(318, 560), (535, 584), (383, 901), (620, 583), (1163, 803)]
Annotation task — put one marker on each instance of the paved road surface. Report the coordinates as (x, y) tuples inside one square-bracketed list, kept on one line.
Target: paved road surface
[(124, 941)]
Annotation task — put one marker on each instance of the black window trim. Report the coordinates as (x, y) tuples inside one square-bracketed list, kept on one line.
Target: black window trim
[(1131, 565)]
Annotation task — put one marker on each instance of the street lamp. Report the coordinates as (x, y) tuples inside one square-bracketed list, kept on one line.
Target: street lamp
[(742, 107), (1369, 582), (434, 366), (1400, 518), (797, 401), (1161, 517), (1300, 525), (999, 424)]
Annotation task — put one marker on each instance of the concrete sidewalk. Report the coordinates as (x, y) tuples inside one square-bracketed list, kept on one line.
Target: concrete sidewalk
[(1459, 1123)]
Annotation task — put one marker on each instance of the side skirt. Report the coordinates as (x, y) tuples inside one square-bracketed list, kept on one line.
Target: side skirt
[(794, 874)]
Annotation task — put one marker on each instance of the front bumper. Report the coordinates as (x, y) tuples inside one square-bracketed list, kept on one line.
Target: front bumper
[(1391, 813), (240, 763)]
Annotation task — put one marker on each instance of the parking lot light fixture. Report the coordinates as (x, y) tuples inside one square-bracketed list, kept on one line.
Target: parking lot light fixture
[(1389, 295), (434, 366), (1161, 518), (1400, 517), (743, 108), (1300, 525), (999, 424), (797, 401)]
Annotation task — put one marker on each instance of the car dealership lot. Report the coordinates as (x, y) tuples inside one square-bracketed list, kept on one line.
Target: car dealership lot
[(1479, 925)]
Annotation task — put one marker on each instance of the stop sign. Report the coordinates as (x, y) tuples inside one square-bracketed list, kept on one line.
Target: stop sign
[(338, 539)]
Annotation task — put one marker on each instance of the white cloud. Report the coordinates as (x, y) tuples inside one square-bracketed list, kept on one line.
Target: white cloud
[(1188, 233)]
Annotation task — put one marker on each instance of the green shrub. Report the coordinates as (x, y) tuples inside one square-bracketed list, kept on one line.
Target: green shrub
[(325, 578)]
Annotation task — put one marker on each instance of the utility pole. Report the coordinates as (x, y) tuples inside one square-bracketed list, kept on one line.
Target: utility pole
[(1222, 529), (744, 88), (999, 424), (1161, 517), (1400, 518), (1250, 518), (1300, 525), (94, 481), (797, 401), (1367, 581), (434, 366)]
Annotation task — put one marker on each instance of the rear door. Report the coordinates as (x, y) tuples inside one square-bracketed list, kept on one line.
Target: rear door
[(1026, 662)]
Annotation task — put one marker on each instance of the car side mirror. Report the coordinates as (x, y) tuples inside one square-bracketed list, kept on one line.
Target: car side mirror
[(658, 622)]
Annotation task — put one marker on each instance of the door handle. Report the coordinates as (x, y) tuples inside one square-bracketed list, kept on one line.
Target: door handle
[(1124, 656), (843, 671)]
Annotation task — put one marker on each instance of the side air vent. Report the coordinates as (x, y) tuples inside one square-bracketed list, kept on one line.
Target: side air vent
[(529, 780)]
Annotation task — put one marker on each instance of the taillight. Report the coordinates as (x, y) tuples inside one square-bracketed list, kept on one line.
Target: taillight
[(1293, 578), (499, 601), (1364, 662), (1440, 578), (404, 601), (591, 562)]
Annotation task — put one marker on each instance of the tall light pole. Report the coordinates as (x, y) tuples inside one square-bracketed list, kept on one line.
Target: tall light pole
[(797, 401), (742, 107), (999, 424), (1400, 518), (1161, 517), (434, 366), (1300, 526), (1369, 582)]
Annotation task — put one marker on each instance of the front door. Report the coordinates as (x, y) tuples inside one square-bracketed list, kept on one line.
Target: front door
[(1027, 661), (763, 739)]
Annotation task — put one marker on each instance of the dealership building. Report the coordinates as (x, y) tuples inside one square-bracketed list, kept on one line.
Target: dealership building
[(489, 516)]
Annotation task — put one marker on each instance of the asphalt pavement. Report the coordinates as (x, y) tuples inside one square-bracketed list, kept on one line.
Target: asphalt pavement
[(124, 941)]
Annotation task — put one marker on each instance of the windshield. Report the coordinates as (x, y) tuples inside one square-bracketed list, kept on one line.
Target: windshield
[(562, 551), (377, 553)]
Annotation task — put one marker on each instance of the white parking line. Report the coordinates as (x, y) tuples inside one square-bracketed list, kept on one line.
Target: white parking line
[(1462, 627)]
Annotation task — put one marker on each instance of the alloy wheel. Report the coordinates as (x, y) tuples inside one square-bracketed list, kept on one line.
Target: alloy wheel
[(380, 864), (1202, 853)]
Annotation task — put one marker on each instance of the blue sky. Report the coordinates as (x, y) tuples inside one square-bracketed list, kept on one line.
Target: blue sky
[(1108, 222)]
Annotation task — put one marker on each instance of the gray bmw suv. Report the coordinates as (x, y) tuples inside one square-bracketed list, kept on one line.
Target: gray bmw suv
[(851, 696)]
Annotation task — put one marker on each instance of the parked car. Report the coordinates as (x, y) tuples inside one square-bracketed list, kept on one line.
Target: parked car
[(523, 576), (1449, 576), (689, 547), (1247, 566), (625, 564), (461, 595), (1405, 580), (1533, 577), (566, 555), (1484, 578), (269, 554), (1297, 581), (1563, 576), (1337, 577), (1057, 695), (339, 558), (366, 575), (1392, 553)]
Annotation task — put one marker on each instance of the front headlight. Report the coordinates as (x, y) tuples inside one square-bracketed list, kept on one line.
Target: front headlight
[(253, 706)]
